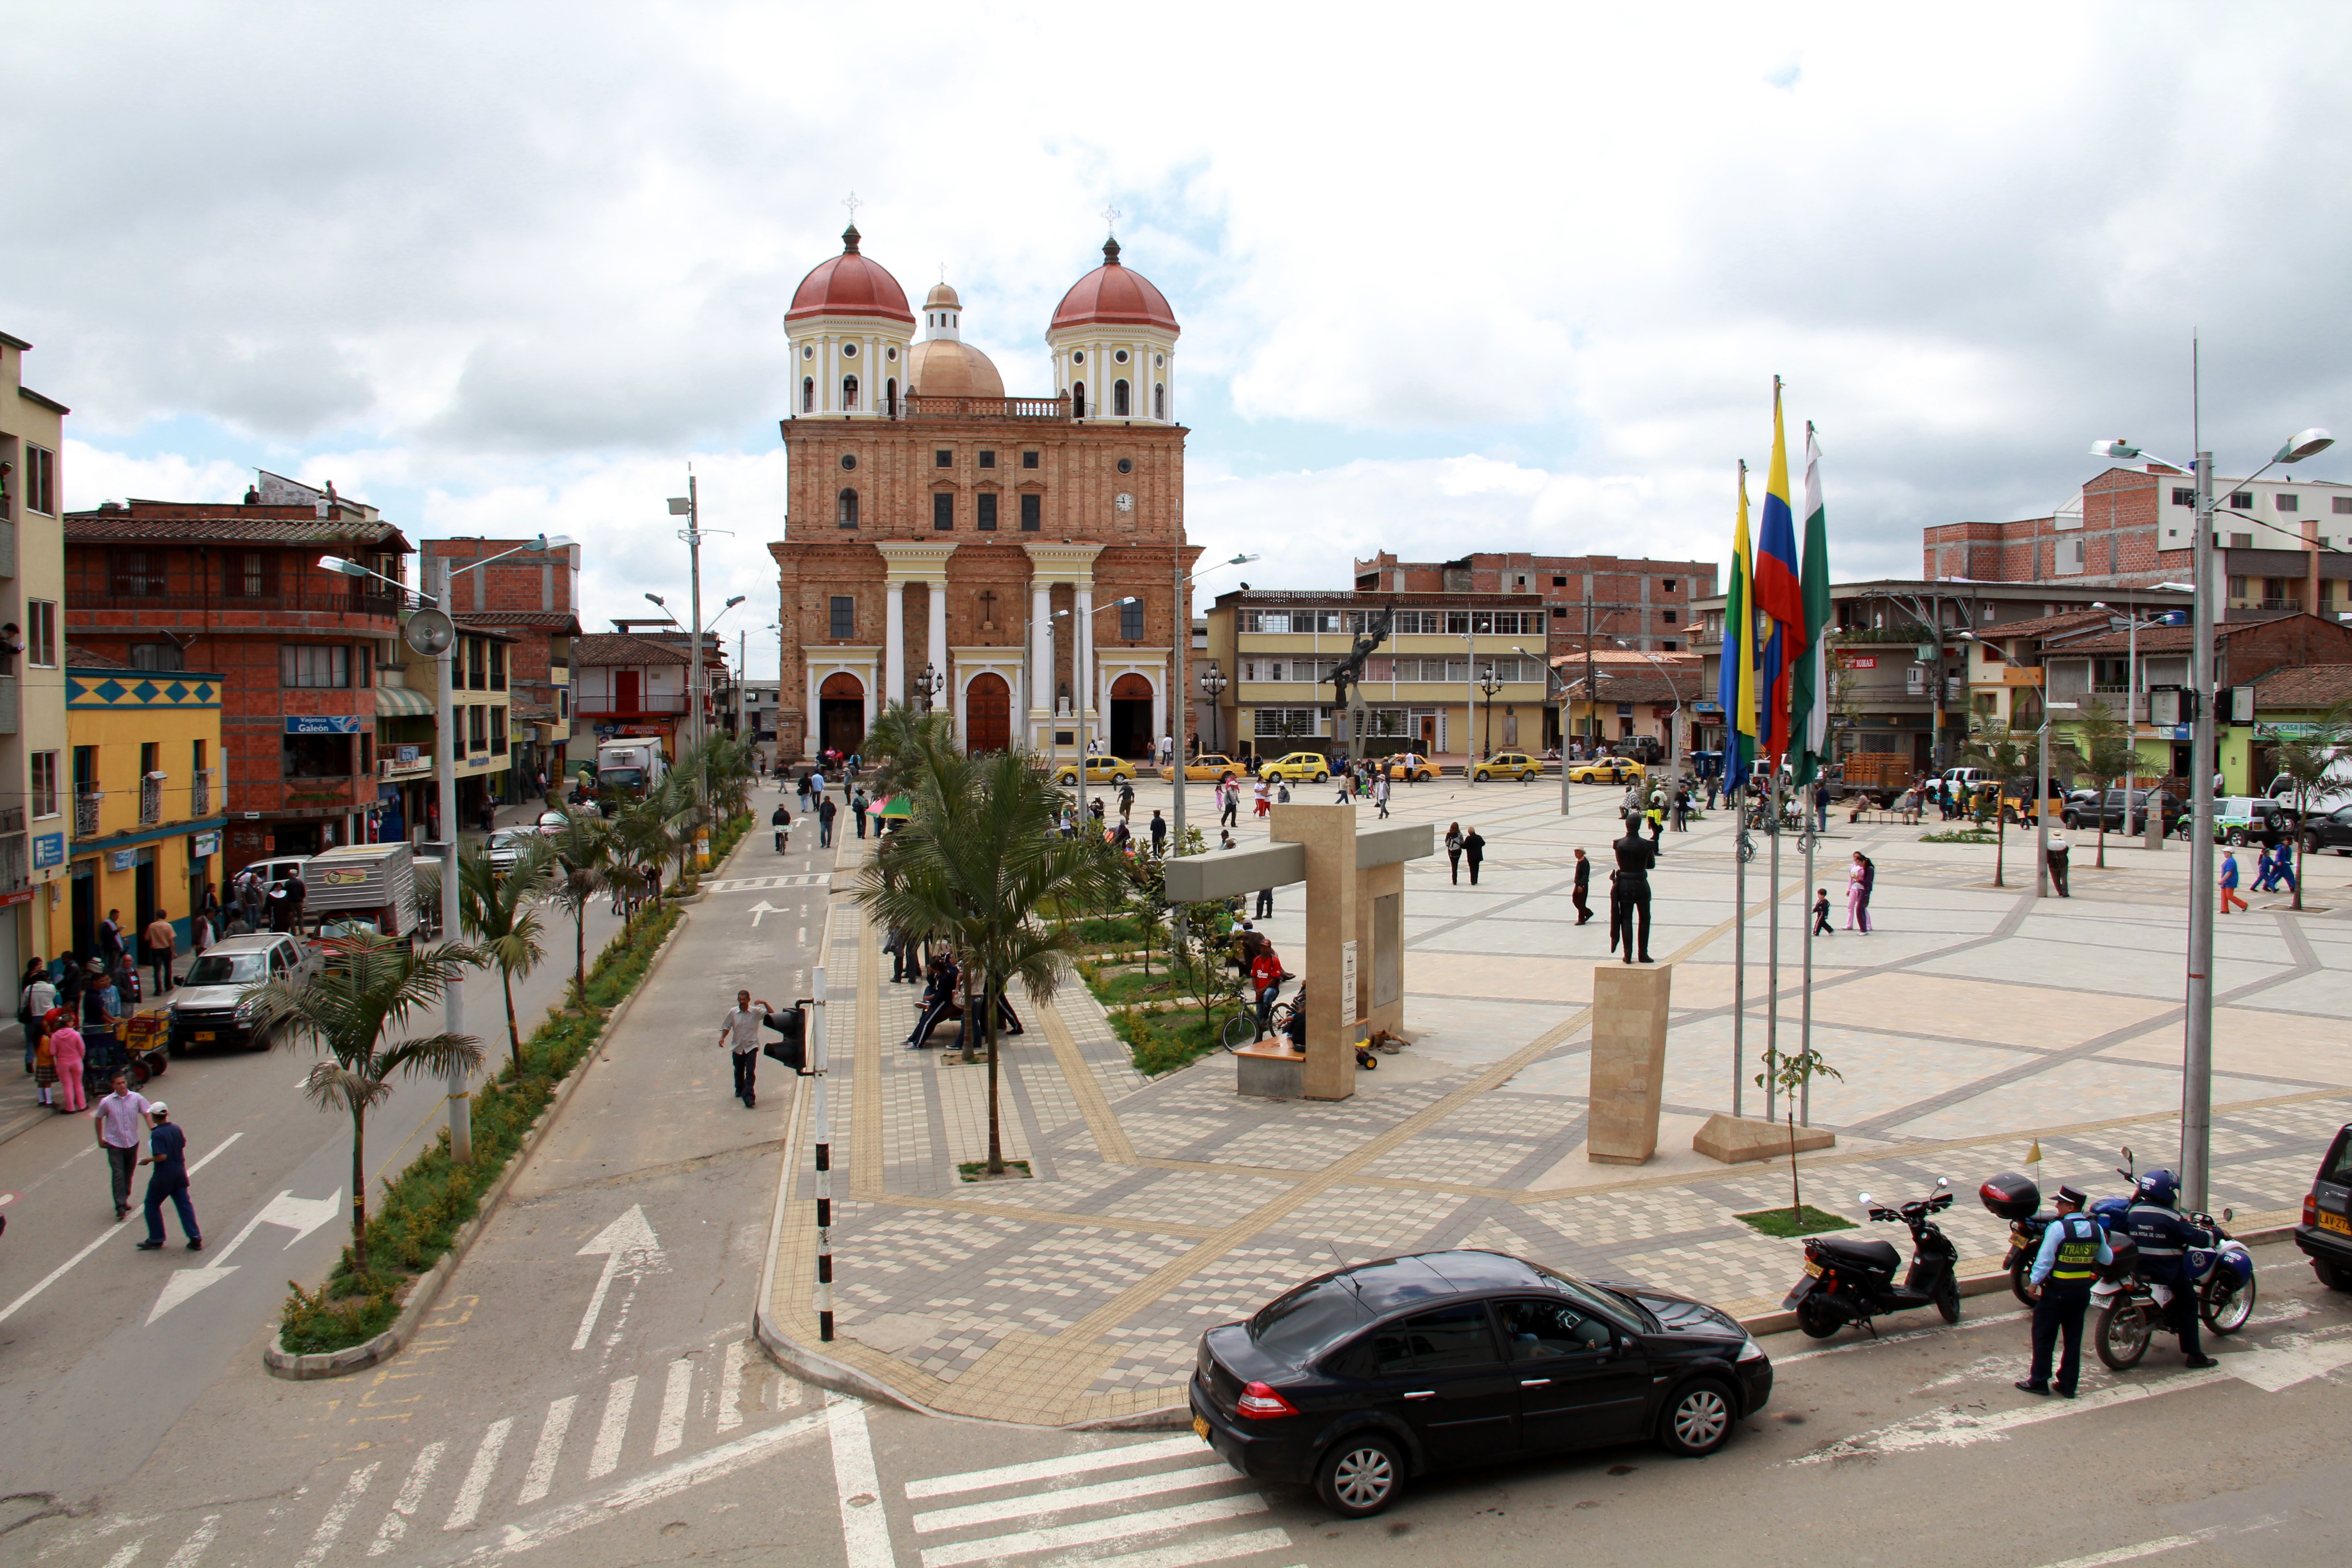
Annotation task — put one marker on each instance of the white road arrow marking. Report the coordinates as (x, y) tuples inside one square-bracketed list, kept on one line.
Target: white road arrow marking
[(629, 1248), (300, 1216), (762, 908)]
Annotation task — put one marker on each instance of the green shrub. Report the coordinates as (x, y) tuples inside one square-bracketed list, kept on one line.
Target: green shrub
[(1162, 1043)]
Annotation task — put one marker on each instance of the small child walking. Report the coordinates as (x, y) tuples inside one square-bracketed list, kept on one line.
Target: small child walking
[(1821, 911)]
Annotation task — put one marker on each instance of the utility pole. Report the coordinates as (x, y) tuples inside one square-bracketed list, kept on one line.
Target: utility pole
[(1591, 710), (453, 995)]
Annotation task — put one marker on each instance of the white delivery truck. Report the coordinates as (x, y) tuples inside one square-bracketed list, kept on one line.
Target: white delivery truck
[(630, 766), (371, 884)]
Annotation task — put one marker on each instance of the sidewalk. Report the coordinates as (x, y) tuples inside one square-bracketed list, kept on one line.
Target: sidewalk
[(1973, 1021)]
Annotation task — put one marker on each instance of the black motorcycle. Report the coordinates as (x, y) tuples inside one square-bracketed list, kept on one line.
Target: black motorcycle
[(1849, 1280)]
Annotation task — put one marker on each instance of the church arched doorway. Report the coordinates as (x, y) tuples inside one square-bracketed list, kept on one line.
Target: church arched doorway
[(987, 713), (840, 712), (1130, 716)]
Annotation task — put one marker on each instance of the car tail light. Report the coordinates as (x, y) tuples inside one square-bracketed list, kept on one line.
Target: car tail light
[(1261, 1404), (2311, 1208)]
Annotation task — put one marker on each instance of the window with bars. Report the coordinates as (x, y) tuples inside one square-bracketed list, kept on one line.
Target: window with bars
[(250, 573), (1033, 507), (1130, 622), (1285, 723), (986, 502), (137, 573), (845, 616), (942, 511), (314, 663)]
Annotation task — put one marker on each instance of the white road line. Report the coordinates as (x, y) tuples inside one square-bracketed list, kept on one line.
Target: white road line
[(477, 1475), (671, 1431), (1902, 1338), (1957, 1430), (54, 1275), (1046, 1469), (1033, 1505), (403, 1507), (707, 1466), (127, 1554), (1120, 1528), (864, 1527), (192, 1551), (2129, 1553), (1221, 1549), (541, 1474), (614, 1430), (730, 1387), (330, 1528)]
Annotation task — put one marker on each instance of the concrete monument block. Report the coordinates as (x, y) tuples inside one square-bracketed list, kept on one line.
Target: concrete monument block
[(1629, 1060), (1328, 835), (1270, 1071), (1733, 1139)]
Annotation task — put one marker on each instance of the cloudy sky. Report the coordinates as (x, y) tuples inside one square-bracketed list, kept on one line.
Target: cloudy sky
[(1498, 278)]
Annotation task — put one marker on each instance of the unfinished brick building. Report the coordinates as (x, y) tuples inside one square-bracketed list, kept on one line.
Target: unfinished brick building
[(1595, 599)]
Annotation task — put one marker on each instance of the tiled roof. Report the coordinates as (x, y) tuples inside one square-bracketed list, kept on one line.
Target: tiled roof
[(480, 626), (1648, 687), (79, 658), (168, 522), (2304, 686), (537, 712), (618, 647), (2048, 625), (547, 620)]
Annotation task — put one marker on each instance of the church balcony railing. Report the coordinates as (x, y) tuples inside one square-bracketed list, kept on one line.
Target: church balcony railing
[(919, 407)]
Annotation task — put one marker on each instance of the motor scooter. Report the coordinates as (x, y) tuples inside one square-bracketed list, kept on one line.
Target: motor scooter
[(1849, 1280)]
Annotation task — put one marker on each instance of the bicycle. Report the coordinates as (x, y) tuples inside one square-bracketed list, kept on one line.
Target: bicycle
[(1241, 1029)]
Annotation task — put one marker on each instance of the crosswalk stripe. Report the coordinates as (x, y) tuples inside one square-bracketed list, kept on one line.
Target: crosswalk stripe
[(1031, 1505), (613, 1429), (1092, 1530), (330, 1529), (864, 1527), (541, 1474), (1221, 1549), (192, 1551), (127, 1554), (477, 1475), (730, 1387), (412, 1492), (671, 1432), (1046, 1469)]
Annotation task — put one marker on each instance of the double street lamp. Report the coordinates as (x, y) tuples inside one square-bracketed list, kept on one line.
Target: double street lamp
[(1212, 686), (1488, 684), (2196, 1067)]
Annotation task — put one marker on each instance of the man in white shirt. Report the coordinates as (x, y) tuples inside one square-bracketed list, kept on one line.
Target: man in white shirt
[(739, 1033), (121, 1119)]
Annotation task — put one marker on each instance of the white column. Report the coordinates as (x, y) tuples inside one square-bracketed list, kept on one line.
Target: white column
[(894, 639), (809, 730), (1082, 659), (939, 586), (869, 704), (1040, 647), (1160, 706)]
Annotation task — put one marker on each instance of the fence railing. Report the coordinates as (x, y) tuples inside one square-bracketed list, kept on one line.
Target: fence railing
[(200, 794), (86, 814), (150, 802)]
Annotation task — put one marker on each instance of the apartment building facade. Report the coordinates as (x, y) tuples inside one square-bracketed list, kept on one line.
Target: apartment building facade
[(33, 800), (533, 595)]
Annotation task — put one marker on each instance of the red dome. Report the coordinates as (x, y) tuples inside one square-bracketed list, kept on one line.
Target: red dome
[(1115, 294), (850, 285)]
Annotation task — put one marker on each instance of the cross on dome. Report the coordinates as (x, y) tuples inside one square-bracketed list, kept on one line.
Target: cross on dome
[(1110, 219)]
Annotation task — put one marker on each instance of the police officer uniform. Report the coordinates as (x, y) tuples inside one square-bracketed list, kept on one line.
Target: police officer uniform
[(2073, 1247), (2162, 1238)]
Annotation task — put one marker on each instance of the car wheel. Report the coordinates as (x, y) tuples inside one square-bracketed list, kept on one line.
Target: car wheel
[(1697, 1420), (2311, 843), (2333, 1276), (2235, 838), (1360, 1475), (1322, 778)]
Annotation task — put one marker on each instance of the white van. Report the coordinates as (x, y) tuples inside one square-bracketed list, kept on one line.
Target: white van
[(2335, 787)]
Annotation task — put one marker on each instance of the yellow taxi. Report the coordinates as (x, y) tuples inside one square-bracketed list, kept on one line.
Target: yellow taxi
[(1312, 766), (1505, 766), (1412, 766), (1606, 769), (1211, 767), (1099, 770)]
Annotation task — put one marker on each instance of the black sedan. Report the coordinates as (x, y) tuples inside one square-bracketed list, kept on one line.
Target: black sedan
[(2328, 830), (1358, 1379)]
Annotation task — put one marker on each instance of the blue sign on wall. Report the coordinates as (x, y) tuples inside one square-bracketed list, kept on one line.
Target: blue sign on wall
[(322, 724), (48, 849)]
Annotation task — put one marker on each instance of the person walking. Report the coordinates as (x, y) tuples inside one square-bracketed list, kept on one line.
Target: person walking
[(1159, 833), (67, 1054), (1453, 849), (2073, 1250), (200, 933), (1264, 799), (1582, 893), (1714, 790), (162, 947), (1126, 800), (1264, 903), (118, 1120), (2057, 858), (1682, 809), (169, 1156), (738, 1031), (1474, 850), (2282, 865), (2230, 882), (825, 811), (1230, 816), (1821, 911), (1381, 792), (858, 806), (110, 940)]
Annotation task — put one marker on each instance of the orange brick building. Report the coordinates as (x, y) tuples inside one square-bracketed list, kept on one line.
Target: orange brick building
[(942, 534)]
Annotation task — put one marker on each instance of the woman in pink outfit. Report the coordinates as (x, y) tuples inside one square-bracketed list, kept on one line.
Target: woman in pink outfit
[(1854, 917), (65, 1050)]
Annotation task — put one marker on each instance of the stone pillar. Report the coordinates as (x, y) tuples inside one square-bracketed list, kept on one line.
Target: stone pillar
[(1041, 654), (1379, 948), (939, 619), (1327, 833), (1082, 660), (893, 637), (1629, 1061)]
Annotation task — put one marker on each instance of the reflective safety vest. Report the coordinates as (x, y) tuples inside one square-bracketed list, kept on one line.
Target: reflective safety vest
[(2077, 1259)]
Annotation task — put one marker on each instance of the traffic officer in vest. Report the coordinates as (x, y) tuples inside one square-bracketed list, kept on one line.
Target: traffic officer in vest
[(2162, 1236), (2073, 1247)]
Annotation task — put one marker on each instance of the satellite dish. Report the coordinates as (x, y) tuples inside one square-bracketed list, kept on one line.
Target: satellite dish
[(430, 633)]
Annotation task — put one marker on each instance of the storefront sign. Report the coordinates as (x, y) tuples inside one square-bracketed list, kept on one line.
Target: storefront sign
[(322, 724), (1859, 660), (21, 896), (48, 849), (122, 859), (407, 756), (203, 844)]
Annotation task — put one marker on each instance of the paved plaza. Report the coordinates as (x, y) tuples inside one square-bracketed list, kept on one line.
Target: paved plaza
[(1970, 1023)]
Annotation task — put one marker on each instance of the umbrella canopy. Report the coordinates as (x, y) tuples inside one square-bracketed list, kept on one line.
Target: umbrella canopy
[(891, 805)]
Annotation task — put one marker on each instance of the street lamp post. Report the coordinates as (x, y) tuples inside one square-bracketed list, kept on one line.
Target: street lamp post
[(1551, 675), (2197, 1054), (1213, 687), (1673, 719), (1490, 684), (1182, 612)]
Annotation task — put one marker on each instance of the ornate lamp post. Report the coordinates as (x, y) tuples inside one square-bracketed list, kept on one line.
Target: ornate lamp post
[(1212, 686), (1490, 684), (927, 685)]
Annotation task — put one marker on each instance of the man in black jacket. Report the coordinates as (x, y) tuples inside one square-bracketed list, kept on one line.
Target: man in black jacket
[(1583, 889), (1635, 856)]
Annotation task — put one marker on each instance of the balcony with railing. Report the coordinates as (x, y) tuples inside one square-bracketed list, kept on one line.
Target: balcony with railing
[(644, 703), (200, 794), (11, 719), (16, 864), (150, 802), (919, 407), (118, 593), (86, 814)]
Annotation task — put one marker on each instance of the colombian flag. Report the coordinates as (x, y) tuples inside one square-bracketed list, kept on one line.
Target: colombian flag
[(1779, 591), (1735, 669)]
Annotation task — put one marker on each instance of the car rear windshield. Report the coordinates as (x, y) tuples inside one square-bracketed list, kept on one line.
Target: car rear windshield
[(228, 968), (1295, 1325), (2338, 1166)]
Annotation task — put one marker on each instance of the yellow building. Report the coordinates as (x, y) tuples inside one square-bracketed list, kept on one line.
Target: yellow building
[(147, 816), (1426, 687), (32, 679)]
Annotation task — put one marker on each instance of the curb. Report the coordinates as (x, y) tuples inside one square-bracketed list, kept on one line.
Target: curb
[(427, 1288)]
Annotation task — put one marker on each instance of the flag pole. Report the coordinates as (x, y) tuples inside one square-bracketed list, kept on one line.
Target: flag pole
[(1737, 798), (1805, 903), (1772, 945), (1815, 577)]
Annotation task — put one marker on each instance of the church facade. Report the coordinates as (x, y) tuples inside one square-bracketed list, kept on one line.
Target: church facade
[(1013, 559)]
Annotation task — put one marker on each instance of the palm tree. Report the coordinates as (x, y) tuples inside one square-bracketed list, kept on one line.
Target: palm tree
[(1995, 748), (2104, 754), (904, 742), (653, 828), (370, 984), (976, 860), (582, 851), (496, 912), (2305, 760)]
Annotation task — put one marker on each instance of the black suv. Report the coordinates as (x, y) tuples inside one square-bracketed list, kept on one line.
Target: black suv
[(2084, 813), (1355, 1379), (2328, 830), (2325, 1234)]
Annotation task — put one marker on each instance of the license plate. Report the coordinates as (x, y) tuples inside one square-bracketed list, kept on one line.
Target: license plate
[(1200, 1427), (204, 1034), (1813, 1269), (2334, 1222)]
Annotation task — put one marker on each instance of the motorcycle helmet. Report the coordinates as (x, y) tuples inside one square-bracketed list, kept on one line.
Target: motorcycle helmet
[(2159, 1187)]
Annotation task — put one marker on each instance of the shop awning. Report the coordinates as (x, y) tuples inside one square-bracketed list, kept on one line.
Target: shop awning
[(400, 702)]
